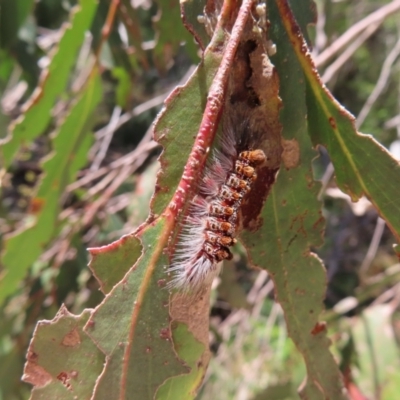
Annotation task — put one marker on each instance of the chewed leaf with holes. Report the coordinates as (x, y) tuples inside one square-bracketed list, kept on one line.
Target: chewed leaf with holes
[(132, 328), (231, 186), (154, 342), (142, 329), (73, 373), (292, 224)]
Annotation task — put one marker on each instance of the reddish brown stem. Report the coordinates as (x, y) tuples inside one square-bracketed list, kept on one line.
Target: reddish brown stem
[(212, 112), (106, 30)]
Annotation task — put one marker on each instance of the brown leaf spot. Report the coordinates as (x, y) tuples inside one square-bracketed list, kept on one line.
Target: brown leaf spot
[(72, 338), (64, 378), (332, 122), (291, 153), (34, 373), (165, 333), (36, 205), (318, 328), (161, 283), (32, 356)]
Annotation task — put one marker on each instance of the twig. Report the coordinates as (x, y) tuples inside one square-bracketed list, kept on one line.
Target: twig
[(129, 16), (109, 132), (345, 56), (91, 70), (106, 30), (141, 108), (392, 122), (373, 246), (118, 203), (102, 184), (147, 105), (380, 84), (377, 16), (259, 282), (320, 38), (90, 67), (386, 295), (100, 202), (138, 156), (127, 158), (262, 294), (225, 327), (326, 178)]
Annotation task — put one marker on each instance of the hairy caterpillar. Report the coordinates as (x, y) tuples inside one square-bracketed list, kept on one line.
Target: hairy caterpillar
[(210, 227)]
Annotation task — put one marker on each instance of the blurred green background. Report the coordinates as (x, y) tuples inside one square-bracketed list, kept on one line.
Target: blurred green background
[(106, 192)]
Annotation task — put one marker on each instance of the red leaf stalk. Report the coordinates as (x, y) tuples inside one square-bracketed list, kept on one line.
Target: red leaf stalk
[(212, 112)]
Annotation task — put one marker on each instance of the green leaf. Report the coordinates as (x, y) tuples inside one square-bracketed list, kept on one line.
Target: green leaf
[(6, 66), (377, 352), (62, 361), (12, 16), (132, 325), (293, 224), (53, 83), (124, 86), (114, 50), (171, 33), (110, 263), (192, 10), (177, 125), (362, 165), (70, 148), (11, 365), (138, 208), (132, 328), (190, 351)]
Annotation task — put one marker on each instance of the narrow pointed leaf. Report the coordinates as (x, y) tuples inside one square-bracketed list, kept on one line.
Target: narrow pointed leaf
[(362, 165), (53, 83), (292, 224), (70, 148)]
